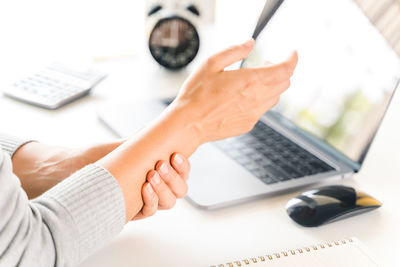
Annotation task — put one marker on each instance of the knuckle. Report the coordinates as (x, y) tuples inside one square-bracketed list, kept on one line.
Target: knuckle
[(166, 177), (170, 204), (182, 193), (154, 200), (184, 174), (150, 212), (163, 189), (171, 178), (160, 188)]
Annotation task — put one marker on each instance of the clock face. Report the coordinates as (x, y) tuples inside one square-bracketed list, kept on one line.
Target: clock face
[(174, 42)]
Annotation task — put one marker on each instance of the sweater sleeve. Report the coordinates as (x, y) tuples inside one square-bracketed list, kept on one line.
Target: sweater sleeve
[(64, 225), (10, 144)]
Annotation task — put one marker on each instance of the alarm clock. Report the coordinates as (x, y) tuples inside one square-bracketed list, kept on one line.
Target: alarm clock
[(173, 38)]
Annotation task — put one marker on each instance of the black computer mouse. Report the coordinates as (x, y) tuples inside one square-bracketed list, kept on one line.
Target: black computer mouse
[(328, 204)]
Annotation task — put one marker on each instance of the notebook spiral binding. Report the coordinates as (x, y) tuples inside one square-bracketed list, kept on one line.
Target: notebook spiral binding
[(291, 252)]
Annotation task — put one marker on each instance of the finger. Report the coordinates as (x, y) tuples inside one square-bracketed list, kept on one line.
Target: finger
[(276, 90), (289, 64), (269, 97), (181, 165), (223, 59), (274, 73), (166, 199), (174, 181), (150, 202)]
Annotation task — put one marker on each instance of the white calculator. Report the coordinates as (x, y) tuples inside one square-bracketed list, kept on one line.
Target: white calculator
[(54, 86)]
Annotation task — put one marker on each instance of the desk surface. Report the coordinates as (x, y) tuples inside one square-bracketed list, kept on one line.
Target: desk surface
[(186, 236)]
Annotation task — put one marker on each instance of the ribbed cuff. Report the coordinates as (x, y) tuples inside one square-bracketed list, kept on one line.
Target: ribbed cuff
[(11, 144), (95, 202)]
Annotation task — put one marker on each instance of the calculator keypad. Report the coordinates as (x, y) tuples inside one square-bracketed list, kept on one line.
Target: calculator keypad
[(54, 86)]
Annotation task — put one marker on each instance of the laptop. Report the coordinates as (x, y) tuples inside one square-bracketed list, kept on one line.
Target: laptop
[(323, 125)]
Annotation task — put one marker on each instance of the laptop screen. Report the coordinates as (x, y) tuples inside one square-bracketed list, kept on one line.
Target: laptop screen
[(345, 76)]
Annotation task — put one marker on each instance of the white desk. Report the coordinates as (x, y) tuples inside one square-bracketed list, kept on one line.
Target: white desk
[(185, 236)]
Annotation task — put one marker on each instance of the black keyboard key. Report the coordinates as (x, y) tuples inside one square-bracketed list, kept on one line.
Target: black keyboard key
[(319, 165), (277, 174), (233, 153), (265, 162), (268, 180), (243, 160), (257, 156), (261, 173), (252, 165), (270, 156)]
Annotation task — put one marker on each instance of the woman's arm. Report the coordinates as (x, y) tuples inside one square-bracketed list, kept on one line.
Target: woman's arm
[(39, 167), (88, 209), (62, 226), (77, 216), (213, 104)]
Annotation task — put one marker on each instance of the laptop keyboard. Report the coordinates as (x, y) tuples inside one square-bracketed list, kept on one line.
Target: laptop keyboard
[(271, 156)]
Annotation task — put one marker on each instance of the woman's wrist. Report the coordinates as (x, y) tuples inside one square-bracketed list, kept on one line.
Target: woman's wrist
[(184, 118), (173, 131)]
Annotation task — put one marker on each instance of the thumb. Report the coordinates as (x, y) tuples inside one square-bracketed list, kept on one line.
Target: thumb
[(287, 66), (223, 59)]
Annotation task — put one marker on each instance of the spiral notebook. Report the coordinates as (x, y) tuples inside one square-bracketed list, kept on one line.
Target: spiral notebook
[(347, 252)]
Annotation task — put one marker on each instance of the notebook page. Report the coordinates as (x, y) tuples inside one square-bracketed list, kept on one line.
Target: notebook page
[(349, 253)]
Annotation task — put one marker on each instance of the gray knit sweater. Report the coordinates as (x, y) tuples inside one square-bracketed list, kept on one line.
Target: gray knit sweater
[(64, 225)]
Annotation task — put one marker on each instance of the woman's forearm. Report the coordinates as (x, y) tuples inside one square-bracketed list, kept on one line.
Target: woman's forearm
[(173, 131), (39, 167)]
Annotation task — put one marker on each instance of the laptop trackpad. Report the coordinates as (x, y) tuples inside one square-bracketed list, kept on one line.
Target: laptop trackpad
[(216, 180)]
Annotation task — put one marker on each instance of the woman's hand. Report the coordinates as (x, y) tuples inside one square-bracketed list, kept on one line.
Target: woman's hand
[(229, 103), (212, 104), (164, 185)]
